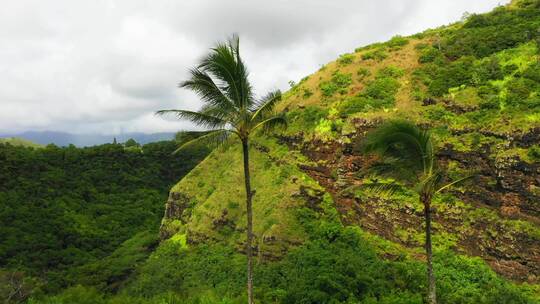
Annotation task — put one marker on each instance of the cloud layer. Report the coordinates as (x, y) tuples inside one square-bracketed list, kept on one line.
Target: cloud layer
[(106, 66)]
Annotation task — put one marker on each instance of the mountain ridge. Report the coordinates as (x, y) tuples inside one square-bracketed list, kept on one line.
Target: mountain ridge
[(89, 139)]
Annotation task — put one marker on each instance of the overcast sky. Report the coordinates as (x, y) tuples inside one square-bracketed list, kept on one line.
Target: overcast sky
[(106, 66)]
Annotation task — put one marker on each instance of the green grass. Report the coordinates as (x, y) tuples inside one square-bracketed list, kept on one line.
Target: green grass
[(215, 191), (16, 141)]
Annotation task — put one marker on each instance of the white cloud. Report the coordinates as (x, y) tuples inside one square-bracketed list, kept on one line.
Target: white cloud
[(106, 66)]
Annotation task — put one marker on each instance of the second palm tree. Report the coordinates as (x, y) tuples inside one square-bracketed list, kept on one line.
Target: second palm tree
[(407, 155)]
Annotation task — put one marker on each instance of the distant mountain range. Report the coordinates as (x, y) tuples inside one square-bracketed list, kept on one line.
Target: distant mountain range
[(83, 140)]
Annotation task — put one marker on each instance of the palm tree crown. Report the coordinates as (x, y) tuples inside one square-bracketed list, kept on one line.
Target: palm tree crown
[(407, 155), (230, 107)]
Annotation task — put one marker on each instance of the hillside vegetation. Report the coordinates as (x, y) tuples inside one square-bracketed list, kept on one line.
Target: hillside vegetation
[(67, 211), (319, 239), (15, 141)]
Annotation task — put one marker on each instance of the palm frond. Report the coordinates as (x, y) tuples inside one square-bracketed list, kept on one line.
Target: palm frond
[(224, 64), (182, 137), (212, 138), (402, 141), (379, 188), (205, 87), (242, 73), (199, 118), (458, 181), (221, 113), (266, 105), (272, 123)]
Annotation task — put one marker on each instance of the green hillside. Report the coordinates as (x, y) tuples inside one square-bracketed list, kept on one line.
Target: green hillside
[(475, 84), (16, 141), (479, 99)]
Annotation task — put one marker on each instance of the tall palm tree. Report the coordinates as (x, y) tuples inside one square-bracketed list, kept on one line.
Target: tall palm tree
[(230, 108), (406, 154)]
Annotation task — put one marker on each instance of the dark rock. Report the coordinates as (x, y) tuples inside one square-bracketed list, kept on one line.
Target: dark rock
[(428, 101)]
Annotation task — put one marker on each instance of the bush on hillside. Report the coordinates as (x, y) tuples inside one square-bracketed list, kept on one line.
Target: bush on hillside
[(337, 84), (483, 35), (396, 42), (378, 54), (345, 59)]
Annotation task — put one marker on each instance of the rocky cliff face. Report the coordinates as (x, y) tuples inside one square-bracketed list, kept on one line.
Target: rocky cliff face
[(479, 99), (484, 223)]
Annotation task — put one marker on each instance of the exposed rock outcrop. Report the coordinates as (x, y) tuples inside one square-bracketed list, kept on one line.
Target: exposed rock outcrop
[(503, 185)]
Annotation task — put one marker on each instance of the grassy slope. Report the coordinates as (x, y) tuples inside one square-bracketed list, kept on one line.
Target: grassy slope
[(217, 196), (15, 141)]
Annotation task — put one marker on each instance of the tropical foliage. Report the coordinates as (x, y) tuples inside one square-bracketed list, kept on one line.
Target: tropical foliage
[(67, 207)]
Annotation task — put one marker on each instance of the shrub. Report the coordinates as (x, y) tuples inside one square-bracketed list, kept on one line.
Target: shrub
[(328, 88), (307, 93), (335, 264), (363, 72), (420, 46), (345, 59), (491, 103), (397, 42), (378, 55), (487, 69), (305, 119), (440, 78), (439, 113), (390, 71), (510, 69), (519, 89), (534, 153), (328, 128), (131, 143), (429, 54), (334, 267), (483, 35), (338, 83), (532, 72), (341, 80), (378, 93), (78, 294), (358, 104), (457, 273), (381, 88)]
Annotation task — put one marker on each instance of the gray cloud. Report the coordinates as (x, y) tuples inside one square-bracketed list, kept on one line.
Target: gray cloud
[(106, 66)]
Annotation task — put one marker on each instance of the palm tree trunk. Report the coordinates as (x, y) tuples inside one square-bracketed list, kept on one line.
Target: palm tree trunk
[(249, 211), (432, 297)]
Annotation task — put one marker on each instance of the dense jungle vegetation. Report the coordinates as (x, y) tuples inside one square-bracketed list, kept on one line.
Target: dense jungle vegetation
[(65, 209)]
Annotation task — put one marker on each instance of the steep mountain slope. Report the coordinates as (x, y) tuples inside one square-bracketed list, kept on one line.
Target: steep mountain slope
[(475, 84)]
